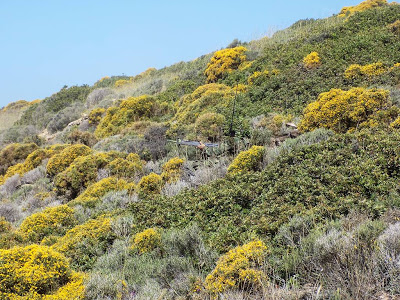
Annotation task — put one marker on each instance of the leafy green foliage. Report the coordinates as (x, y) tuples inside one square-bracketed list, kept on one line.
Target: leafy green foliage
[(353, 171)]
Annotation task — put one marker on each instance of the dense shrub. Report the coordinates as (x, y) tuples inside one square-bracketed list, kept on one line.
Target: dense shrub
[(79, 175), (172, 170), (147, 240), (130, 167), (238, 269), (236, 208), (210, 126), (207, 98), (343, 110), (246, 161), (97, 190), (52, 221), (224, 61), (84, 243), (13, 154), (150, 184), (367, 4), (62, 160), (82, 137), (95, 116), (130, 110), (354, 71), (312, 60), (37, 272)]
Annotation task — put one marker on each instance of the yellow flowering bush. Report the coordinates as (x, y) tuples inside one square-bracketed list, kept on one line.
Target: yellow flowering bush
[(37, 272), (368, 4), (83, 243), (240, 268), (371, 70), (4, 225), (150, 184), (129, 111), (396, 123), (146, 241), (223, 62), (62, 160), (79, 175), (126, 168), (97, 190), (13, 154), (206, 98), (172, 169), (312, 60), (247, 161), (52, 221), (210, 126), (95, 116), (395, 27), (257, 75), (340, 110), (121, 82)]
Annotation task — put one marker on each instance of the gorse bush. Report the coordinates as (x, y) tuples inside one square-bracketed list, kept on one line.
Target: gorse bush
[(84, 243), (209, 98), (210, 126), (344, 110), (367, 4), (370, 70), (150, 184), (130, 167), (146, 241), (95, 116), (97, 190), (223, 62), (62, 160), (13, 154), (240, 268), (129, 111), (52, 221), (38, 272), (247, 161), (172, 170), (312, 60)]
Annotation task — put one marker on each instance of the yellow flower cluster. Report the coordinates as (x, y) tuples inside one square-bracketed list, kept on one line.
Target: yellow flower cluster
[(312, 60), (79, 242), (206, 98), (343, 110), (147, 240), (37, 273), (172, 170), (239, 268), (247, 161), (223, 62), (129, 111), (52, 221), (368, 4), (150, 184), (126, 168), (371, 70), (95, 116), (32, 161), (122, 82), (62, 160), (396, 123), (5, 226), (97, 190)]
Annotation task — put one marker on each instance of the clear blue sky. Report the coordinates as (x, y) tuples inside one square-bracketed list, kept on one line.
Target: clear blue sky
[(46, 44)]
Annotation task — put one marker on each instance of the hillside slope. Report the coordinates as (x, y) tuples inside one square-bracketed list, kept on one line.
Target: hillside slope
[(290, 192)]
